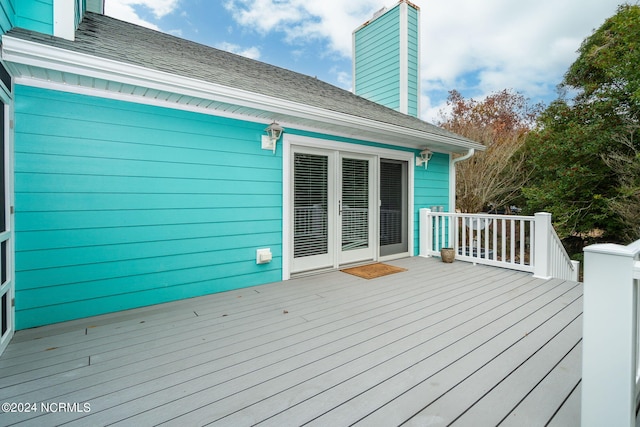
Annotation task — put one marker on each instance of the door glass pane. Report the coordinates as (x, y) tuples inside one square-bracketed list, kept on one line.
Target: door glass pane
[(355, 204), (4, 315), (3, 219), (3, 263), (390, 203), (393, 207), (310, 198)]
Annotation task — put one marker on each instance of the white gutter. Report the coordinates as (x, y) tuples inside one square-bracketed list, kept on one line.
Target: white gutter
[(452, 177), (469, 154)]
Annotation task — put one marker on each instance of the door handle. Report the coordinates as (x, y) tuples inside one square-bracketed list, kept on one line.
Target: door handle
[(339, 207)]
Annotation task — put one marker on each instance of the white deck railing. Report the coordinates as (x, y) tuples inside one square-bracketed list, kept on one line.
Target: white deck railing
[(526, 243), (610, 345)]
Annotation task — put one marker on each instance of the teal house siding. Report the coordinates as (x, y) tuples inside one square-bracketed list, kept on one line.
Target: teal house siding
[(386, 59), (35, 15), (377, 59), (431, 188), (80, 7), (121, 205), (7, 15)]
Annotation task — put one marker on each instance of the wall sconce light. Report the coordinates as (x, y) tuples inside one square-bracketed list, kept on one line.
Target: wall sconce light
[(425, 156), (274, 130)]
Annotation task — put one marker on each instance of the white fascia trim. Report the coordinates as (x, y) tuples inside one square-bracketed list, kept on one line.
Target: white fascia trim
[(48, 57), (64, 17), (404, 59)]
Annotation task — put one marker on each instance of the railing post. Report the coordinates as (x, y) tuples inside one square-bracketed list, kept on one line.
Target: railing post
[(609, 337), (426, 232), (541, 264), (576, 271)]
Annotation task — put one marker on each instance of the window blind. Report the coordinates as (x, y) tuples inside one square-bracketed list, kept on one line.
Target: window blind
[(310, 200)]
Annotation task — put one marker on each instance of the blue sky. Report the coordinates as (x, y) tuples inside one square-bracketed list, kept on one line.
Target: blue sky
[(475, 47)]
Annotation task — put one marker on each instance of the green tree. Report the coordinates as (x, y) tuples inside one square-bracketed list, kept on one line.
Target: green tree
[(569, 153)]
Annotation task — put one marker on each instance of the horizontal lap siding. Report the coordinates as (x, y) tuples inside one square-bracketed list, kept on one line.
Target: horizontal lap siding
[(377, 57), (35, 15), (7, 15), (431, 189), (120, 205)]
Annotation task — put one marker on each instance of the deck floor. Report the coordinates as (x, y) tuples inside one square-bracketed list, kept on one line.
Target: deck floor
[(439, 344)]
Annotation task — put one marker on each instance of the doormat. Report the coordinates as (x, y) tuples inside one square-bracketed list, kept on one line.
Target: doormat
[(371, 271)]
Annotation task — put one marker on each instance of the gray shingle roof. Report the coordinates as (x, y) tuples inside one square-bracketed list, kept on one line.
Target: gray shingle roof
[(109, 38)]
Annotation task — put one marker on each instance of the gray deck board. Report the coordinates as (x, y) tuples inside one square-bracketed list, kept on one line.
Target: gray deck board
[(437, 343)]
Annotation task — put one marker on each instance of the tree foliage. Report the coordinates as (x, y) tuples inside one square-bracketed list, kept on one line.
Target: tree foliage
[(492, 178), (570, 153)]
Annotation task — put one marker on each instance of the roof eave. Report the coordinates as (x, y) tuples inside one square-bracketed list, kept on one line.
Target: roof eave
[(30, 53)]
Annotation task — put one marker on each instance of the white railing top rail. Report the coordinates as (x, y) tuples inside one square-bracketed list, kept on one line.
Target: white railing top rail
[(483, 215)]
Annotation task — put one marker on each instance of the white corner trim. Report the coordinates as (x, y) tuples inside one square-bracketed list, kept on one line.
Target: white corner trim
[(404, 58), (353, 63), (419, 62), (64, 19)]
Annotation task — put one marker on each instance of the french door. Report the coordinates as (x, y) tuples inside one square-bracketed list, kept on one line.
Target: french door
[(333, 206)]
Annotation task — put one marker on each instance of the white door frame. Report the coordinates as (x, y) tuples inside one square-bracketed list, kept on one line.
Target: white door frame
[(7, 236), (287, 179)]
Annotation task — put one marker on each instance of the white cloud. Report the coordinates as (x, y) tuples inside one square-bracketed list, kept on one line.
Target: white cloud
[(251, 52), (526, 46), (125, 11), (302, 20)]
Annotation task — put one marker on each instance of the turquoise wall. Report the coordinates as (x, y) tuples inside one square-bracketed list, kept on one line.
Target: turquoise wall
[(35, 15), (377, 60), (431, 189), (80, 7), (121, 205), (7, 15)]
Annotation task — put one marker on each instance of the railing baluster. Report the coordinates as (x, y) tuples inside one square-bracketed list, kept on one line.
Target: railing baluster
[(486, 238), (443, 232), (464, 235), (436, 233), (512, 244), (478, 238), (495, 240), (532, 241), (522, 236)]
